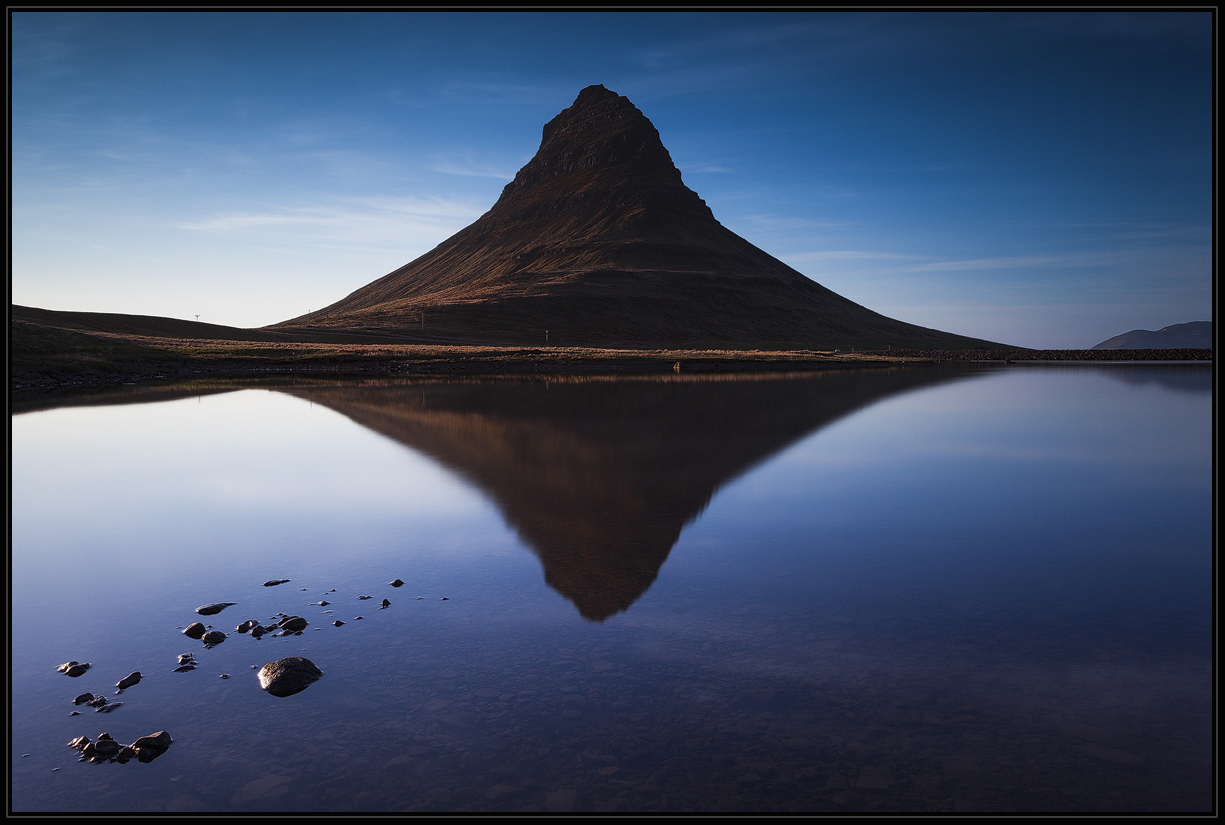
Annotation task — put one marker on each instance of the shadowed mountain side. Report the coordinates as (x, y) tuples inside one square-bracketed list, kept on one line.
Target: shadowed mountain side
[(599, 477), (600, 242)]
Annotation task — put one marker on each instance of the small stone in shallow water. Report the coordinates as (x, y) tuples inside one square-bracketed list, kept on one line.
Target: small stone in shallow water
[(216, 607), (184, 668), (275, 582), (148, 748), (288, 676), (364, 597), (83, 698), (225, 676), (194, 630), (247, 625), (132, 678), (213, 638), (186, 658), (397, 583), (109, 708), (385, 604), (293, 624), (73, 668), (338, 622), (106, 747)]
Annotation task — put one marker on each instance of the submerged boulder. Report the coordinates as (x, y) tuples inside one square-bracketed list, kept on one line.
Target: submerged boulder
[(216, 607), (195, 630), (293, 624), (288, 676)]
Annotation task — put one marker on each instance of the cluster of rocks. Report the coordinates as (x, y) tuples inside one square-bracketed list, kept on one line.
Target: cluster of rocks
[(210, 637), (283, 677), (99, 703), (107, 749), (287, 625)]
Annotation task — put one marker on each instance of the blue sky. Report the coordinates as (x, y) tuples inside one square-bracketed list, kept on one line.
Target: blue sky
[(1041, 179)]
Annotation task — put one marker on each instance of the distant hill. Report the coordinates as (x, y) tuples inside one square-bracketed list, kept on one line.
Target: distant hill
[(598, 242), (1195, 335)]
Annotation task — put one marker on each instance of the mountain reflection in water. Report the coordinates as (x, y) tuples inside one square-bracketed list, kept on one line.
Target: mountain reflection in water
[(599, 476)]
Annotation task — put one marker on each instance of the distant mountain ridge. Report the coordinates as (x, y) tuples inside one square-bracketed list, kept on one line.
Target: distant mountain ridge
[(1193, 335), (598, 242)]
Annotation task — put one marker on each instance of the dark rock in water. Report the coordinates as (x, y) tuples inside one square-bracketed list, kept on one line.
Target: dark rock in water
[(275, 582), (194, 630), (385, 604), (125, 755), (106, 748), (213, 638), (288, 676), (292, 624), (187, 658), (159, 741), (184, 668), (129, 680), (151, 747), (360, 598), (73, 668), (96, 702), (397, 583), (109, 708), (338, 622), (247, 625), (83, 698), (79, 743), (217, 607), (324, 603)]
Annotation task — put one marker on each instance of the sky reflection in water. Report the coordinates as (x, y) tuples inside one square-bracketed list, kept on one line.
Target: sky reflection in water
[(815, 578)]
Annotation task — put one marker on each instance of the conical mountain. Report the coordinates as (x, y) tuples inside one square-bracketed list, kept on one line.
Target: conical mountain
[(598, 241)]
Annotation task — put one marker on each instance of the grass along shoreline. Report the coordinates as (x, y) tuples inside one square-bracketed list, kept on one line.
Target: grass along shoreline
[(55, 358)]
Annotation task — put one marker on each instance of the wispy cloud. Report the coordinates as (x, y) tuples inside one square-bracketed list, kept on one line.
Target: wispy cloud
[(847, 255), (469, 168), (1078, 259), (370, 220)]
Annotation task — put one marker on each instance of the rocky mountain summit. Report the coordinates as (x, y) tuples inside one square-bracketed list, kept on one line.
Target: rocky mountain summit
[(597, 242)]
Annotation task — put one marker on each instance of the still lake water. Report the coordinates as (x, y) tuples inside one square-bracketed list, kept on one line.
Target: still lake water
[(914, 589)]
